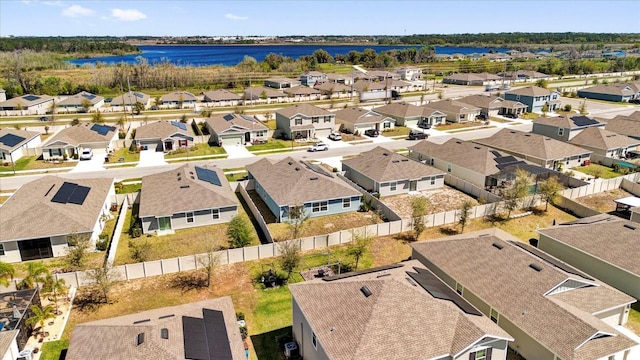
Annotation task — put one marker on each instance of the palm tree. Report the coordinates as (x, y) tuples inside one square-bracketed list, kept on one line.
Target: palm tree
[(36, 271), (55, 287), (6, 273), (41, 315)]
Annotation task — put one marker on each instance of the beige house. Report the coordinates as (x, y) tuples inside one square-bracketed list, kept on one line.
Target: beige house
[(179, 99), (625, 125), (164, 136), (280, 83), (552, 310), (81, 102), (409, 73), (455, 110), (222, 97), (471, 79), (303, 93), (412, 115), (200, 330), (600, 247), (38, 219), (265, 95), (400, 311), (492, 105), (565, 127), (303, 121), (605, 144), (127, 100), (71, 140), (199, 196), (334, 90), (27, 105), (14, 144), (235, 129), (389, 173), (358, 119)]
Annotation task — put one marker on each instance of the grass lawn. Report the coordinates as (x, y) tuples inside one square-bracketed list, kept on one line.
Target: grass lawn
[(463, 130), (235, 176), (634, 321), (126, 154), (529, 116), (129, 188), (274, 144), (603, 201), (3, 198), (499, 120), (196, 150), (323, 225), (454, 126), (52, 350), (396, 131), (32, 163), (597, 170), (271, 124)]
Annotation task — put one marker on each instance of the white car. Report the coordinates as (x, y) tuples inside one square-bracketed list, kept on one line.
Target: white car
[(335, 136), (86, 154), (318, 147)]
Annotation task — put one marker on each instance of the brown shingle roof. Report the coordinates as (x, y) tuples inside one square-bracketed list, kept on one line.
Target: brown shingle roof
[(454, 106), (330, 87), (473, 77), (180, 190), (600, 138), (289, 182), (26, 135), (221, 95), (130, 98), (303, 109), (622, 89), (25, 101), (569, 121), (483, 101), (161, 130), (530, 91), (356, 115), (383, 165), (241, 123), (79, 98), (625, 125), (80, 134), (255, 93), (400, 110), (504, 279), (178, 95), (30, 213), (301, 90), (532, 145), (364, 85)]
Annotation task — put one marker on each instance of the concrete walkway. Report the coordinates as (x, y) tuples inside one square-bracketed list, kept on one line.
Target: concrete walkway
[(151, 158), (237, 151)]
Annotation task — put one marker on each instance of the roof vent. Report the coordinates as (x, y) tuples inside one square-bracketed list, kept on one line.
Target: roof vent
[(166, 316), (497, 245), (458, 142), (184, 186), (141, 321), (314, 178), (164, 333), (297, 169), (385, 154), (140, 339), (365, 291), (290, 163), (404, 160), (48, 191), (527, 135), (476, 147), (395, 161), (535, 267), (629, 226)]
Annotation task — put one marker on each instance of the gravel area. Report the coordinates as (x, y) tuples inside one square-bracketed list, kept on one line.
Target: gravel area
[(445, 199)]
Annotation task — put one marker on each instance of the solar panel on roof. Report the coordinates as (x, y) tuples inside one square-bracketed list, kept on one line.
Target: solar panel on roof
[(70, 193), (506, 160), (89, 96), (553, 261), (11, 140), (207, 175), (439, 290), (31, 97), (138, 95), (217, 336), (79, 195), (179, 125), (248, 118), (583, 121), (195, 344), (229, 117), (102, 129)]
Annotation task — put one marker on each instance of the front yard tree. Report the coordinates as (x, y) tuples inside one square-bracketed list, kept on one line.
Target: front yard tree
[(465, 214), (289, 256), (138, 107), (358, 247), (6, 273), (543, 83), (239, 232), (55, 287), (76, 256), (97, 118), (549, 190), (419, 206), (297, 220), (104, 278), (85, 104)]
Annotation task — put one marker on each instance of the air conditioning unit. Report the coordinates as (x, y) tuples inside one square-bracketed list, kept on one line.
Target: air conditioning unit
[(25, 355), (291, 350)]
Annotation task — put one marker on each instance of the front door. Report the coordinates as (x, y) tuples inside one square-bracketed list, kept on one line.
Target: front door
[(413, 185), (35, 249), (168, 145), (164, 223), (247, 137)]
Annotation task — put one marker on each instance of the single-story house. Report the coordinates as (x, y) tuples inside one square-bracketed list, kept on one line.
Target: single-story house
[(289, 183), (304, 121), (263, 94), (367, 85), (13, 143), (205, 329), (334, 90), (601, 247), (412, 115), (564, 127), (605, 143), (81, 102), (625, 125), (535, 98), (456, 111), (164, 136), (38, 219), (388, 173), (409, 73), (179, 99), (340, 79), (200, 195), (537, 149), (280, 83), (552, 310), (235, 129), (303, 93), (358, 119), (27, 105), (471, 79), (492, 105), (310, 78), (621, 92), (390, 312), (222, 97), (128, 99), (377, 75), (71, 140), (523, 75), (15, 310)]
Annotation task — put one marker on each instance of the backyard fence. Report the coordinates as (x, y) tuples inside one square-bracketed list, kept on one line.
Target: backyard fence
[(631, 187), (599, 185), (471, 189), (575, 208), (120, 223), (386, 211), (242, 187)]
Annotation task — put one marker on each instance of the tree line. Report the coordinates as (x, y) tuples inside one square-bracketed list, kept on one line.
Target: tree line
[(510, 38), (68, 45)]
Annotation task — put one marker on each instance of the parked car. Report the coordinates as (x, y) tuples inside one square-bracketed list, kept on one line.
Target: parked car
[(424, 125), (481, 117), (44, 118), (86, 154), (511, 116), (335, 136), (417, 136), (372, 132), (318, 147)]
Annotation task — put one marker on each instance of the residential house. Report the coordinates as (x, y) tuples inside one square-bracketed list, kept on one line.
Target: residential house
[(205, 329), (456, 111), (564, 127), (200, 195), (127, 100), (368, 86), (27, 105), (38, 219), (358, 119), (552, 310), (620, 92), (523, 75), (14, 143), (70, 141), (15, 310), (605, 144), (535, 98), (303, 93), (280, 83), (311, 78), (625, 125), (412, 115), (222, 97), (3, 95), (410, 73), (236, 129), (388, 173), (601, 247), (492, 105), (390, 312), (635, 214), (471, 79), (263, 94), (340, 79), (377, 75), (81, 102), (537, 149), (164, 136), (303, 121), (287, 184), (179, 99), (334, 90)]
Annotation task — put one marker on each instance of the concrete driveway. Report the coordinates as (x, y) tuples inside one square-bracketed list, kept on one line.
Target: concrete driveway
[(94, 164), (151, 158), (236, 151), (333, 144), (378, 139)]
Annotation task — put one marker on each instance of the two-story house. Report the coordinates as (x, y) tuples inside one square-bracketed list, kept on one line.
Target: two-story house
[(303, 121), (564, 127), (409, 73), (310, 78), (535, 98)]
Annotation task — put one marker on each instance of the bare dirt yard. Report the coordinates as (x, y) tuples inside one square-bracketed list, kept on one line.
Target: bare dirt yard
[(603, 201), (445, 199)]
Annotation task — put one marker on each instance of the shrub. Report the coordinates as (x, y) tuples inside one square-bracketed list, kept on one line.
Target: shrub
[(103, 242), (139, 250), (122, 135), (136, 231), (567, 107)]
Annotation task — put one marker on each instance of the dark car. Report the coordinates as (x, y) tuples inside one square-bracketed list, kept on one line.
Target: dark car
[(417, 136), (44, 118), (511, 116), (481, 117), (424, 125), (372, 132)]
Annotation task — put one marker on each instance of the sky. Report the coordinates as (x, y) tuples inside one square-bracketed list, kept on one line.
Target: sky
[(316, 17)]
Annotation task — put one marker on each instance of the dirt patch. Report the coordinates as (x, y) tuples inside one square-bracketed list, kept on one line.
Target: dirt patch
[(324, 224), (603, 201), (444, 199)]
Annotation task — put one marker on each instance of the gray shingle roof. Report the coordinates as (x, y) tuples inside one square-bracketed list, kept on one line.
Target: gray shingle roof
[(453, 106), (220, 123), (129, 98), (177, 96), (290, 182), (25, 101), (80, 134), (569, 121), (623, 89), (161, 130), (483, 101), (301, 90), (383, 165), (473, 77), (30, 213), (81, 97), (600, 138), (530, 91), (221, 95), (27, 135), (355, 115), (400, 110), (255, 93), (504, 279), (330, 87), (180, 190), (625, 125), (303, 109)]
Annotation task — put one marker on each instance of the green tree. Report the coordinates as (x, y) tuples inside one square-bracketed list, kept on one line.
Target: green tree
[(549, 190), (322, 57), (53, 109), (104, 278), (85, 104), (6, 273), (55, 287), (583, 107), (239, 232), (138, 107), (465, 214), (297, 220), (289, 256), (78, 248), (545, 110), (120, 122), (97, 117), (543, 83), (139, 250), (41, 315), (419, 207), (358, 247), (36, 273), (513, 194)]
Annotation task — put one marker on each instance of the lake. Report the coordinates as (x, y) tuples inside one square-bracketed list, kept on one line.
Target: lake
[(205, 55)]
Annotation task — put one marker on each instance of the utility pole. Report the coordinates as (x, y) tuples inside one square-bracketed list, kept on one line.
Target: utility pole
[(130, 103)]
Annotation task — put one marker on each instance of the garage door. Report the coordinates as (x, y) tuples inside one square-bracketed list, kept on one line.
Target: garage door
[(232, 140), (323, 132)]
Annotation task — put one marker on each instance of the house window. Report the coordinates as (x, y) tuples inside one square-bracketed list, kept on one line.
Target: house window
[(386, 125), (393, 186), (319, 206), (327, 119), (215, 214), (433, 180), (314, 120), (459, 288), (431, 162), (189, 217), (1, 249), (461, 116), (314, 341), (560, 131), (298, 121), (182, 143), (517, 97), (448, 167), (483, 354), (346, 203), (494, 315)]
